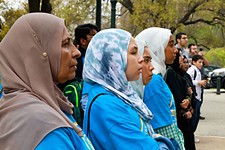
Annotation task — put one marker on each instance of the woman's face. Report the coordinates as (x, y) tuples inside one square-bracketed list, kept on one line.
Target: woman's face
[(134, 62), (185, 65), (68, 62), (147, 67), (170, 51)]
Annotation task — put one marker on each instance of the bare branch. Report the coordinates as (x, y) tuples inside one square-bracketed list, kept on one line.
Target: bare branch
[(190, 12), (128, 5)]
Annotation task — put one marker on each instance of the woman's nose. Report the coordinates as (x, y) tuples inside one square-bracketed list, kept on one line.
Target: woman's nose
[(75, 53), (151, 68), (140, 59), (175, 50)]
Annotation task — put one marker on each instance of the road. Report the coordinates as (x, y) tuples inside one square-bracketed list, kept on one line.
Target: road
[(211, 131)]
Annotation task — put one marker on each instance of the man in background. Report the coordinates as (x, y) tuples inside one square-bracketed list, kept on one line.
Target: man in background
[(181, 42)]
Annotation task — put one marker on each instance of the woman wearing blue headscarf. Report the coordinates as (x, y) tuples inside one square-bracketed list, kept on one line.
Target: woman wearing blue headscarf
[(115, 116)]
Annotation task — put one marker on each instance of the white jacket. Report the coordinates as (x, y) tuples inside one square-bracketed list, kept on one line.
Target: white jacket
[(195, 79)]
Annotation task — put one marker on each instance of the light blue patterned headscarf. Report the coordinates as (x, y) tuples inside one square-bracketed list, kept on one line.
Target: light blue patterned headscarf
[(105, 64)]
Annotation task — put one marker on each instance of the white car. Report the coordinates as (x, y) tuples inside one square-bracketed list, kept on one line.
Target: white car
[(218, 75)]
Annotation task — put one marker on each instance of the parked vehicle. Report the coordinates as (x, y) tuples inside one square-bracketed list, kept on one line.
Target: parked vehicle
[(208, 70), (218, 75)]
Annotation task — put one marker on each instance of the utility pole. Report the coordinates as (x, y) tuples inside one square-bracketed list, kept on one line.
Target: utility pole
[(98, 14), (113, 13)]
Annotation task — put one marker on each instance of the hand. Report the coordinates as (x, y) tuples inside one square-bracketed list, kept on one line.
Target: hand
[(185, 103), (190, 91), (191, 110), (188, 115), (200, 53), (202, 83)]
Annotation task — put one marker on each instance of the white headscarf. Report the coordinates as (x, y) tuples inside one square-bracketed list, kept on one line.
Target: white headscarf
[(138, 84), (157, 40)]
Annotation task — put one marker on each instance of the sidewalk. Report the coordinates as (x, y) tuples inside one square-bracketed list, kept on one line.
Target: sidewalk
[(210, 143), (211, 131)]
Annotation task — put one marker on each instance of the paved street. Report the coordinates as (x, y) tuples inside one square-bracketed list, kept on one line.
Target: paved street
[(211, 131)]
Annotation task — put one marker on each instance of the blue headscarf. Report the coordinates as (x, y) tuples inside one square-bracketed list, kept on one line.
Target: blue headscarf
[(105, 64)]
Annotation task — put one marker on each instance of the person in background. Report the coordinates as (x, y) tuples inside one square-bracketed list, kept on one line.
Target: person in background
[(115, 116), (205, 60), (157, 95), (33, 106), (83, 35), (181, 43), (193, 50), (178, 86), (196, 76), (205, 77), (190, 86)]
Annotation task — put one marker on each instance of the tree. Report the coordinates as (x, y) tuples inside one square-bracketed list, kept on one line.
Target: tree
[(174, 14), (8, 16), (216, 56), (74, 12)]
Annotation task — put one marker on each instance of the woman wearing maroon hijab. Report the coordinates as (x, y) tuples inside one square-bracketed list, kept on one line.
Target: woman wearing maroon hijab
[(35, 55)]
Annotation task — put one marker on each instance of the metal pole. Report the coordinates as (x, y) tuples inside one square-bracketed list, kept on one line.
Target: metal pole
[(218, 85), (113, 13), (98, 14)]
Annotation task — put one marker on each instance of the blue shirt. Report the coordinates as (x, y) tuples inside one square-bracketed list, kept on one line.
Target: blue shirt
[(114, 124), (159, 99), (64, 138)]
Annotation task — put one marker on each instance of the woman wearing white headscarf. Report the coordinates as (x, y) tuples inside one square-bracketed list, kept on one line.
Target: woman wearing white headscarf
[(147, 68), (35, 55), (157, 95), (115, 116)]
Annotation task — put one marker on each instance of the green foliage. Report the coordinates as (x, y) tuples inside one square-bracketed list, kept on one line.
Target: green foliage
[(175, 15), (74, 11), (205, 36), (202, 20), (216, 56), (10, 15), (5, 29), (148, 13)]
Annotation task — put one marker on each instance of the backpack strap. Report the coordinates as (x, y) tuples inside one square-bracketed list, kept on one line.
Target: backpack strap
[(75, 89), (195, 74), (89, 111)]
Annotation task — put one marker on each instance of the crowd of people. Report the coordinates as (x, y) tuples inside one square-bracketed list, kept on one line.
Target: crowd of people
[(142, 92)]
